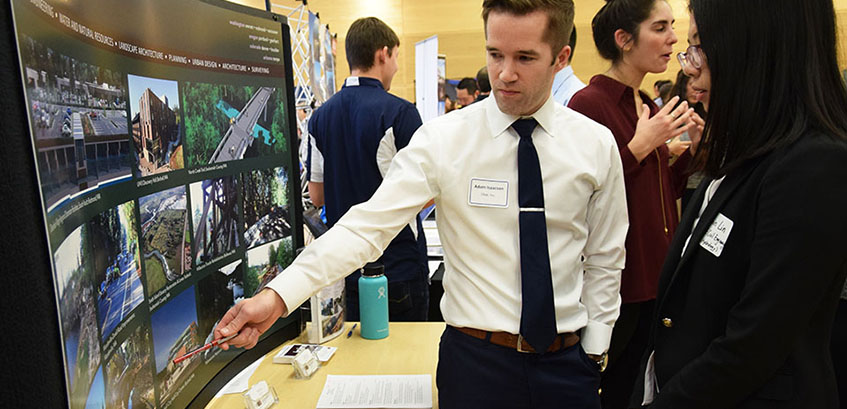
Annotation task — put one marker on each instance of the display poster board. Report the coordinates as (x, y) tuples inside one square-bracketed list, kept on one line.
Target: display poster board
[(442, 83), (328, 61), (317, 70), (426, 77), (163, 138)]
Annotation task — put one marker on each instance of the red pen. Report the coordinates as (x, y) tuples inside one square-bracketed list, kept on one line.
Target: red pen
[(204, 347)]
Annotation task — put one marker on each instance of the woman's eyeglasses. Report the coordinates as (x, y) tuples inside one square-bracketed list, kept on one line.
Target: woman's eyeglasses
[(693, 57)]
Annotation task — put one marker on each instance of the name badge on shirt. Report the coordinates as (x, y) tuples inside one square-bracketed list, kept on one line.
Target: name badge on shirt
[(489, 193), (715, 238)]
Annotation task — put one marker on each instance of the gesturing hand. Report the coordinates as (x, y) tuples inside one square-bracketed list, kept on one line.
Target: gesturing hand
[(652, 132), (696, 132), (677, 147), (251, 317)]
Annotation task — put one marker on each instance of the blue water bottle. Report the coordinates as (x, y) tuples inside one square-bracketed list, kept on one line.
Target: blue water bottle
[(373, 301)]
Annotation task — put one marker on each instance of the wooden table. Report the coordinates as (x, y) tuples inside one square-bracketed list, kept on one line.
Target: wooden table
[(410, 349)]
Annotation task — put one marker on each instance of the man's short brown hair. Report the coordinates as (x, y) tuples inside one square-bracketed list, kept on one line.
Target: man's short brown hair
[(559, 17), (364, 38)]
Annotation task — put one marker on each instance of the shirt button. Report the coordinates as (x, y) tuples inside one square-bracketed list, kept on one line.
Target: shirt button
[(667, 322)]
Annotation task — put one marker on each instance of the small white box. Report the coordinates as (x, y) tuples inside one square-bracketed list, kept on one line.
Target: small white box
[(287, 353), (260, 396), (305, 364)]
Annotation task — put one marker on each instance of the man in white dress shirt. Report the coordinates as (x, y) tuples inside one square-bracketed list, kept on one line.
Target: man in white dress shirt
[(467, 162)]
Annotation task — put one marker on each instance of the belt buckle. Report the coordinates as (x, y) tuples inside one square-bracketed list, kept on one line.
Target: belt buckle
[(518, 346)]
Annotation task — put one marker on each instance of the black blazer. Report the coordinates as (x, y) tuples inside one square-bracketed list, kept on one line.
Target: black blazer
[(751, 328)]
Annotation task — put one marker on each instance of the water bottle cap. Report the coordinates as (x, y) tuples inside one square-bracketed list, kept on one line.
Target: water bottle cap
[(373, 270)]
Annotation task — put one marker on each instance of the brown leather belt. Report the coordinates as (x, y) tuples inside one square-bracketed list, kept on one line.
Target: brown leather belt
[(508, 340)]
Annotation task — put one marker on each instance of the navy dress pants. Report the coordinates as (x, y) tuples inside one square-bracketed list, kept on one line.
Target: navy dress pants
[(473, 373)]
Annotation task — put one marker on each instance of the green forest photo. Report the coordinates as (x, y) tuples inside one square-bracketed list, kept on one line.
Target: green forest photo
[(228, 122), (266, 262), (266, 212)]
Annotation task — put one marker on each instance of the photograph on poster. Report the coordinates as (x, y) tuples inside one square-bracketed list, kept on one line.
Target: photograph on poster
[(228, 122), (175, 334), (214, 209), (79, 121), (164, 237), (266, 213), (331, 312), (129, 372), (316, 73), (266, 262), (96, 398), (77, 312), (116, 264), (328, 58), (154, 109), (216, 293)]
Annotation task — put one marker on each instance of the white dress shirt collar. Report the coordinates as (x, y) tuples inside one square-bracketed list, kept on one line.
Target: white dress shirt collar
[(499, 122)]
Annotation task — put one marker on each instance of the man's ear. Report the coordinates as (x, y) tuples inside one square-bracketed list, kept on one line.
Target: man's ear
[(623, 39), (381, 56), (561, 60)]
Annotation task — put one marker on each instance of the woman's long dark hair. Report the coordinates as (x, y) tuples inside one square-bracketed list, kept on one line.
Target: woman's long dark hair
[(774, 77)]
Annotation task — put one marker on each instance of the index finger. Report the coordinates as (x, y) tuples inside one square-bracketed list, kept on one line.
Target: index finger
[(698, 119), (669, 105), (228, 318)]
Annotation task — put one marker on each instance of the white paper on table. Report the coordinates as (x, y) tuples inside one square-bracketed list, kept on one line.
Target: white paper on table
[(376, 391), (240, 382)]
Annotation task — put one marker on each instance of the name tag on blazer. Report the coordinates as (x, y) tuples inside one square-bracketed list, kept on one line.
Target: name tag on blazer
[(715, 238)]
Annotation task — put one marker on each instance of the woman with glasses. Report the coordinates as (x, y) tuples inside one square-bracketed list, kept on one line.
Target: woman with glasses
[(750, 288), (683, 88), (637, 37)]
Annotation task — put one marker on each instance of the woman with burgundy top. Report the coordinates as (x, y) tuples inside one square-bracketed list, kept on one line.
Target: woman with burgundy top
[(637, 37)]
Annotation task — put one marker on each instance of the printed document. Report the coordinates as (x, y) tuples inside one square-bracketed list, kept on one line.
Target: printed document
[(376, 391)]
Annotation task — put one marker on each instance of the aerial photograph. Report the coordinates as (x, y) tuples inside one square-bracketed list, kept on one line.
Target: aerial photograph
[(164, 237), (154, 109), (79, 122), (78, 315), (266, 212), (228, 122), (116, 264)]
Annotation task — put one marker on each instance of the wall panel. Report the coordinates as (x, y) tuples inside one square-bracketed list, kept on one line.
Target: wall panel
[(458, 25)]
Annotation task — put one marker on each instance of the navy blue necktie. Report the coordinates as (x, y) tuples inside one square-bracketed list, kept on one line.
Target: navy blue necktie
[(538, 316)]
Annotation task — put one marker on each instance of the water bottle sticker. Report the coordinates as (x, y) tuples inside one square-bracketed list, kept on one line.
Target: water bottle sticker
[(381, 291)]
